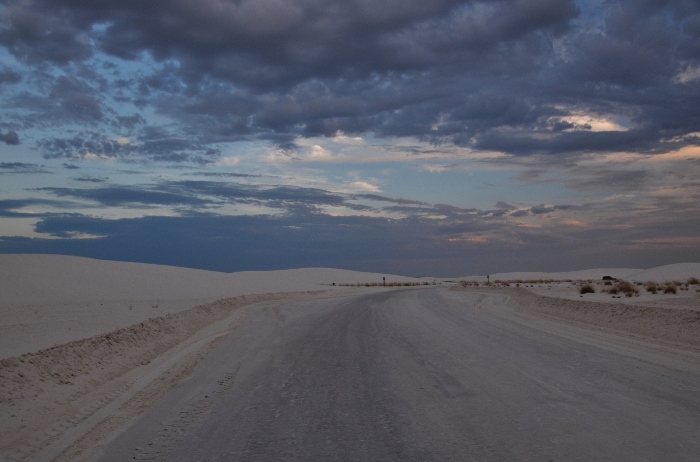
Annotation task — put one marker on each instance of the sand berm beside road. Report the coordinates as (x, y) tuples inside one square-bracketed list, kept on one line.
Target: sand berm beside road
[(85, 389), (670, 326)]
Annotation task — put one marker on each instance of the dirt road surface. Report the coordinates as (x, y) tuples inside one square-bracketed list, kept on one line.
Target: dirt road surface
[(422, 375)]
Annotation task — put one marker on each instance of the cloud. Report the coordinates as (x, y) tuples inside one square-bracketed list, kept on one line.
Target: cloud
[(606, 180), (10, 138), (508, 76), (229, 161), (378, 198), (288, 226), (154, 144), (227, 175), (90, 180), (128, 196), (9, 77), (76, 99), (549, 92), (20, 167), (36, 33), (17, 208)]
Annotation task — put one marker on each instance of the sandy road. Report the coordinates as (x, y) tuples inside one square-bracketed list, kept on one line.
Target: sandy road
[(418, 375)]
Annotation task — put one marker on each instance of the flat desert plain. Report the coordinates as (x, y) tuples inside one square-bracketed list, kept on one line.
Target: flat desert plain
[(88, 346)]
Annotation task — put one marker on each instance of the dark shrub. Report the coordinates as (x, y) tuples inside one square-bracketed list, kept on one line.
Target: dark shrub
[(651, 287)]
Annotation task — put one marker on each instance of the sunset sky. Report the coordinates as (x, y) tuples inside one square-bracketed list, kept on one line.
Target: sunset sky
[(423, 138)]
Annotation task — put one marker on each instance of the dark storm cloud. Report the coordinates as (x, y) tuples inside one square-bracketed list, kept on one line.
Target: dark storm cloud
[(486, 74), (541, 209), (76, 99), (606, 180), (283, 197), (9, 77), (10, 138), (129, 122), (128, 196), (81, 146), (208, 196), (37, 34), (153, 144), (577, 141), (9, 207), (200, 195), (89, 180), (235, 243), (20, 167), (411, 247), (227, 175), (424, 242), (376, 197)]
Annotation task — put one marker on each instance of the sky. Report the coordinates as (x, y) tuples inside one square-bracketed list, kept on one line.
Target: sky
[(442, 138)]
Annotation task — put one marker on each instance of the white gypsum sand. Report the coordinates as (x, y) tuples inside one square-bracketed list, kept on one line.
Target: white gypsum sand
[(48, 300), (83, 338), (89, 344), (671, 318)]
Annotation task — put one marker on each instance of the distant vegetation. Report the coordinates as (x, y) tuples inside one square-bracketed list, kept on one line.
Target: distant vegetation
[(652, 287), (625, 287), (615, 287), (612, 286), (389, 284), (670, 288)]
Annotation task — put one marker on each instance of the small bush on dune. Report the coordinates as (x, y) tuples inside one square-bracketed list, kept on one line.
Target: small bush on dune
[(651, 287), (587, 289), (670, 288), (608, 283), (627, 288), (693, 282)]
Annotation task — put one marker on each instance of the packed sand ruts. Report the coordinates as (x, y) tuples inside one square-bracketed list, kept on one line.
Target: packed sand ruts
[(128, 347), (74, 380)]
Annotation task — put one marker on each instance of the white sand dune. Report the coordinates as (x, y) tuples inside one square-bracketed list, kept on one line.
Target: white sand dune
[(47, 300), (677, 271), (42, 278)]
